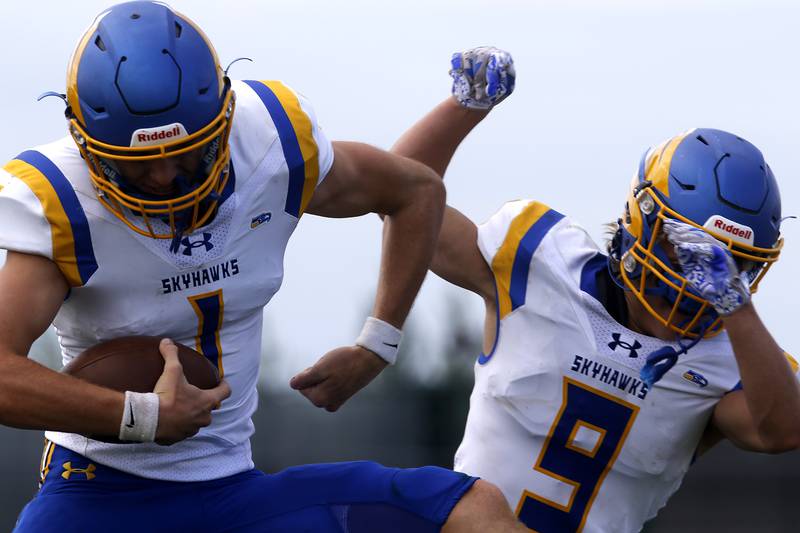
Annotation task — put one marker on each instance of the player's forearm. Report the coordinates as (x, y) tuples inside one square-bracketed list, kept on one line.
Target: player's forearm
[(769, 385), (35, 397), (410, 234), (434, 139)]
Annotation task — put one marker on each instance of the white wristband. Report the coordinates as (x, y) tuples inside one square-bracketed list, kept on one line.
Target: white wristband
[(140, 417), (381, 338)]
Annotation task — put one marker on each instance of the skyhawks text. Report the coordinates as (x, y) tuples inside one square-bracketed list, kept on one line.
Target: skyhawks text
[(198, 278)]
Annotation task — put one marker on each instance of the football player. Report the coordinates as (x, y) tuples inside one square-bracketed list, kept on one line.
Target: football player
[(166, 211), (605, 372)]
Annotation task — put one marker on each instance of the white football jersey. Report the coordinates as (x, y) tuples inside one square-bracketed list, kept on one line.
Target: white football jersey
[(208, 295), (559, 418)]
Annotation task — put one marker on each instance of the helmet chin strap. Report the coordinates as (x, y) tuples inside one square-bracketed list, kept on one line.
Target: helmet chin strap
[(181, 218), (662, 360)]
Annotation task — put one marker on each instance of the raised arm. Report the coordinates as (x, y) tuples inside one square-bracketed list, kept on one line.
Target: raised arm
[(433, 139), (764, 415), (482, 78)]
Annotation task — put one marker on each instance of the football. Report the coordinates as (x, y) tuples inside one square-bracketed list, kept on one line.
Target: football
[(135, 364)]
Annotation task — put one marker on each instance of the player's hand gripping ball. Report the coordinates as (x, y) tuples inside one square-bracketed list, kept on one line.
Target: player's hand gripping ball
[(136, 364), (708, 267), (482, 77)]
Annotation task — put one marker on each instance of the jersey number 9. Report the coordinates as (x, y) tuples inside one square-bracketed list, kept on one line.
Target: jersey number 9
[(583, 443)]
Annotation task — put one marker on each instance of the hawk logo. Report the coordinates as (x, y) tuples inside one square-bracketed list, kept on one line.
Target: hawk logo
[(189, 245), (260, 219), (68, 470), (696, 378), (622, 344)]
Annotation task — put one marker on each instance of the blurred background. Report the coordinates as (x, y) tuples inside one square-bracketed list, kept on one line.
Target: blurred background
[(599, 81)]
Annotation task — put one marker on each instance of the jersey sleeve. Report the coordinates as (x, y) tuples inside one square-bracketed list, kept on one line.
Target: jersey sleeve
[(323, 144), (40, 214), (508, 242), (306, 148), (793, 363)]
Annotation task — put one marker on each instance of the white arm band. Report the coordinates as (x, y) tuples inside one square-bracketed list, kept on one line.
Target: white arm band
[(140, 417), (381, 338)]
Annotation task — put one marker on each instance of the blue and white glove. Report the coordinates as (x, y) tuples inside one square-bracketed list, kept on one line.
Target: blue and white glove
[(708, 266), (482, 77)]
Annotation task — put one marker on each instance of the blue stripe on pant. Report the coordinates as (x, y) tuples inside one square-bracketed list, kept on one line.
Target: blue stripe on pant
[(358, 497)]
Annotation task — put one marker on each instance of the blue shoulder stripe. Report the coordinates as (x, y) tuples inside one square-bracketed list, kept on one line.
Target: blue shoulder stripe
[(522, 259), (291, 147), (81, 237)]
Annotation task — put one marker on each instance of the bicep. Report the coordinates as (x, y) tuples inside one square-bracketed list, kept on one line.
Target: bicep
[(364, 179), (32, 290), (458, 259)]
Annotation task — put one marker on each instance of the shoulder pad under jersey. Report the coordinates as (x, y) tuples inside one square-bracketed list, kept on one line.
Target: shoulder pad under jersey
[(508, 241), (40, 214), (273, 120)]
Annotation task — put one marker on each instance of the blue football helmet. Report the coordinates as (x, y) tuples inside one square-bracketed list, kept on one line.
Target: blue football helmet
[(712, 180), (145, 83)]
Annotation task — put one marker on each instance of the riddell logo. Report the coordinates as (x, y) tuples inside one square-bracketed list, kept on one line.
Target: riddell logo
[(158, 135), (729, 228)]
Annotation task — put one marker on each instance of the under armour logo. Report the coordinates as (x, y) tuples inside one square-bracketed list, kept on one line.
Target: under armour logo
[(632, 347), (68, 470), (189, 245)]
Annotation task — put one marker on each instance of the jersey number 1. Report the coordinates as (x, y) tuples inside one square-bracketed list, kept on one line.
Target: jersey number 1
[(209, 307), (583, 443)]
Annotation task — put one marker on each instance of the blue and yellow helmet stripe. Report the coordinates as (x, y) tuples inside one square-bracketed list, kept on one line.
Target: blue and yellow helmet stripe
[(72, 71)]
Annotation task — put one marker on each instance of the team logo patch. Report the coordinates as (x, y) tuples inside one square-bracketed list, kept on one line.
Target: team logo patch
[(260, 219), (69, 471), (624, 345), (189, 245), (696, 378)]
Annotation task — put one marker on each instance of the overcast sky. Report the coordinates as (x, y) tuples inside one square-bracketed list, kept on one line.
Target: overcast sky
[(598, 82)]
